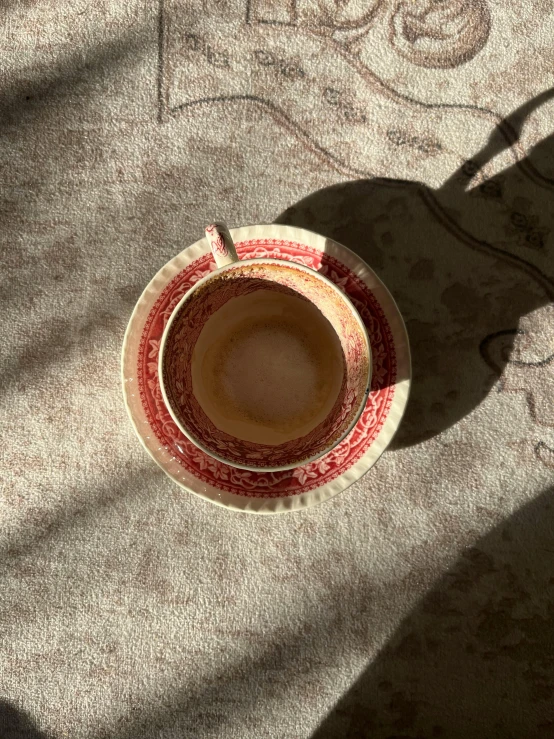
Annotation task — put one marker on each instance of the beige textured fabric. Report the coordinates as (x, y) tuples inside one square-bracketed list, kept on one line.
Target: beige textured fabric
[(419, 603)]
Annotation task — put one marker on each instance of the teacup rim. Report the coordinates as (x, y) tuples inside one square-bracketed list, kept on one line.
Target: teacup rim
[(289, 265)]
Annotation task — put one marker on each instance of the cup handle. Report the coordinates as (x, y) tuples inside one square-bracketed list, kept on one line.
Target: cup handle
[(221, 244)]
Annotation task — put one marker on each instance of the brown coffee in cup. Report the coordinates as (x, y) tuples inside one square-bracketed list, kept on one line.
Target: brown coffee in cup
[(267, 367)]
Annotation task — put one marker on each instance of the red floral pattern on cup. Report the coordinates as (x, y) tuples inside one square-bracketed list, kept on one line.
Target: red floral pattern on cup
[(217, 242), (186, 326), (300, 479)]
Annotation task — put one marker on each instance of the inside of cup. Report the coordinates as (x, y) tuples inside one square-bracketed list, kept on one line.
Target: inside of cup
[(265, 365)]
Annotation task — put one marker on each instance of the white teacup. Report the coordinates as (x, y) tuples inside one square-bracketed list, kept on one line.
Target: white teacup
[(264, 364)]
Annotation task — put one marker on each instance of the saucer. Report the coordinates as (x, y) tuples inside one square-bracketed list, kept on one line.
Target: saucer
[(288, 490)]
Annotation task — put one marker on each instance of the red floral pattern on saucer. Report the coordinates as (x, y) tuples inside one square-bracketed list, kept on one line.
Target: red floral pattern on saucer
[(301, 479)]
